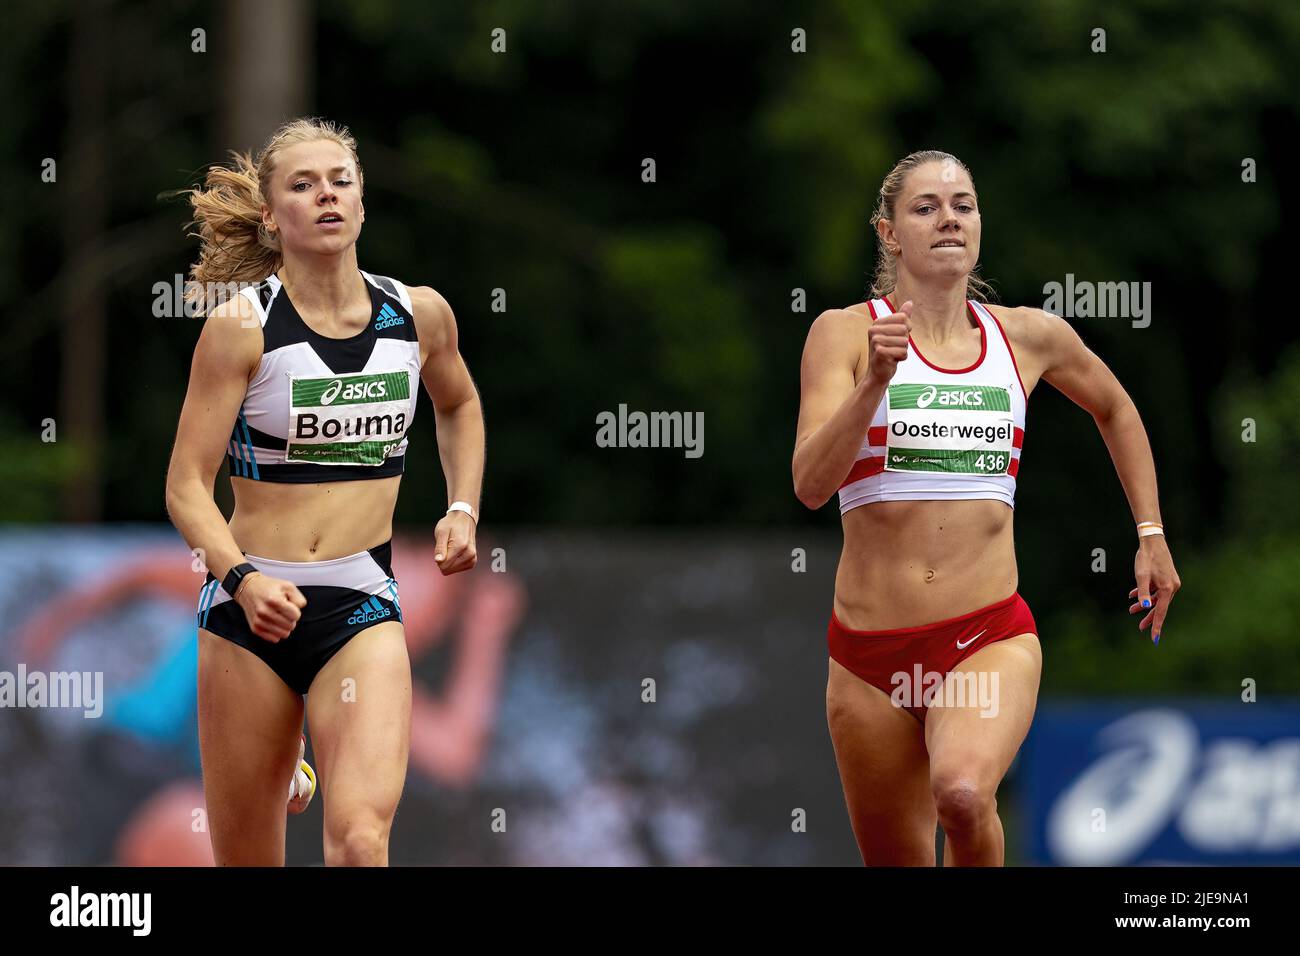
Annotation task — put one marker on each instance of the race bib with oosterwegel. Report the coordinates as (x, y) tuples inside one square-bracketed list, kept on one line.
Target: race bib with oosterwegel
[(956, 429), (347, 419)]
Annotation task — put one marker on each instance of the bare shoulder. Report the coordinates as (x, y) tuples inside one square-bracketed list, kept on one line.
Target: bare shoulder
[(837, 339), (232, 334), (1035, 331), (1040, 340), (434, 322), (1025, 326), (841, 325), (236, 310)]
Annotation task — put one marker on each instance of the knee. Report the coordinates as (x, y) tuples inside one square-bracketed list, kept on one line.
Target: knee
[(361, 841), (964, 804)]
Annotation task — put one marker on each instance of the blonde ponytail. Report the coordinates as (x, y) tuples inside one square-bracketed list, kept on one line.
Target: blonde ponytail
[(234, 244)]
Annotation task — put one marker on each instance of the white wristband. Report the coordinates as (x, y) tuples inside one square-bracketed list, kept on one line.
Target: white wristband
[(1147, 528), (464, 506)]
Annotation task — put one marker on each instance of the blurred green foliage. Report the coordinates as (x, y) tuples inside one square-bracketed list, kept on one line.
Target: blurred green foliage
[(32, 470), (1237, 615)]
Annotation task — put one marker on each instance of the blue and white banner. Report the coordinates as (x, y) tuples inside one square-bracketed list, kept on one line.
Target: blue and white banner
[(1179, 782)]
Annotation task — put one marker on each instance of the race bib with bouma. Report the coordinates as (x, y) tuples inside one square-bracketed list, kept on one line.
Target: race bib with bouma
[(347, 419), (958, 429)]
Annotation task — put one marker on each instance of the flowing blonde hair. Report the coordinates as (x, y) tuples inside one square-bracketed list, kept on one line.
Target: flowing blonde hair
[(885, 280), (234, 245)]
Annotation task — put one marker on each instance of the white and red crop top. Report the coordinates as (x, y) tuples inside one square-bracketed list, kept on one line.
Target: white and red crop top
[(944, 433)]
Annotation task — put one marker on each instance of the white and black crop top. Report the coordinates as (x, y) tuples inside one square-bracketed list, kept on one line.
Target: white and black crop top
[(323, 409)]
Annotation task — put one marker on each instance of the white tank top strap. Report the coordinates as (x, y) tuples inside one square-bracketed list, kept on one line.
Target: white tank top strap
[(879, 308), (261, 296), (391, 287)]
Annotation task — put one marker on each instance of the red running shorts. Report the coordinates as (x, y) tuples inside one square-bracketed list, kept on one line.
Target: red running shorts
[(877, 656)]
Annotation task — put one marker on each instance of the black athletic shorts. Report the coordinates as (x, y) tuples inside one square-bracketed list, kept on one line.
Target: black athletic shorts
[(344, 597)]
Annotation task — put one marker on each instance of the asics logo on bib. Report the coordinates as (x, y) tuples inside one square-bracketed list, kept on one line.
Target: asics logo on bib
[(387, 317), (371, 611), (949, 396), (353, 391)]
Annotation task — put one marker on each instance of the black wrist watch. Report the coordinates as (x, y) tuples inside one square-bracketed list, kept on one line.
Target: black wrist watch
[(235, 576)]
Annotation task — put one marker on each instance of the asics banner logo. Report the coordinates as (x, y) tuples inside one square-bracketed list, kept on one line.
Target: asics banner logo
[(352, 391), (948, 396)]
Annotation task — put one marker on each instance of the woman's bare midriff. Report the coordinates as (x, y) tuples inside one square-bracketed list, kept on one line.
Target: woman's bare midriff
[(909, 563), (312, 522)]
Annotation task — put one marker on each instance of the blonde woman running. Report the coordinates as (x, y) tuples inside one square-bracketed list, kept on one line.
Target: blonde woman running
[(305, 383), (913, 409)]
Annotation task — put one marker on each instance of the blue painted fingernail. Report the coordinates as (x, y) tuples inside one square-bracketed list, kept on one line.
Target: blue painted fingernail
[(1146, 602), (1155, 639)]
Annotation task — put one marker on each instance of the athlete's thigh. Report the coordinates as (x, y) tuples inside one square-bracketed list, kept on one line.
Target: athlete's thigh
[(249, 723), (359, 714), (880, 751), (976, 742)]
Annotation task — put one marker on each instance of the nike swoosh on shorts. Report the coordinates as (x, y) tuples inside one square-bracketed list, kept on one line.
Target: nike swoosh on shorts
[(960, 645)]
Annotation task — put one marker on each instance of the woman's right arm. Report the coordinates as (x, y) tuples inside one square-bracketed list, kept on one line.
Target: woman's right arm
[(228, 350), (834, 412)]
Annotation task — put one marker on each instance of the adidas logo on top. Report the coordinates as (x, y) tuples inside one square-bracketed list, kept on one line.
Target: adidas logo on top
[(372, 610), (387, 317)]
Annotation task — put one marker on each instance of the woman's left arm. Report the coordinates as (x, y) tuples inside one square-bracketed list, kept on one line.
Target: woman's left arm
[(1074, 370), (459, 418)]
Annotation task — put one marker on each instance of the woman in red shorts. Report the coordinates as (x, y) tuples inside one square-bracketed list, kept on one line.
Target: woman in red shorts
[(913, 405)]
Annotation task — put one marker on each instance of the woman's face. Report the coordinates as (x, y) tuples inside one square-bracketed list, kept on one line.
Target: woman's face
[(315, 201), (936, 223)]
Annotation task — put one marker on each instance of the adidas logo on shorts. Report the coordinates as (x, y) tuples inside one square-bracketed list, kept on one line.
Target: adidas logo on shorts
[(369, 612)]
